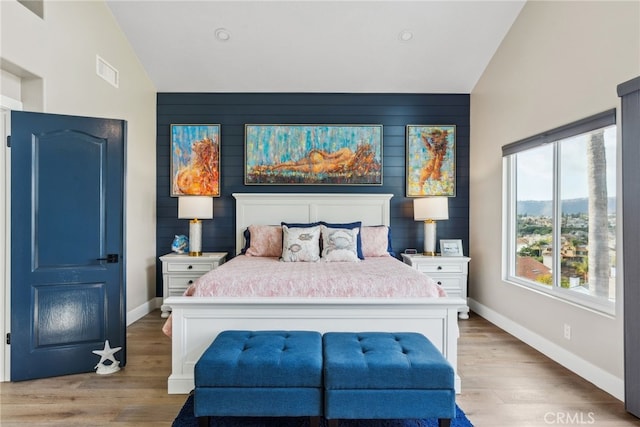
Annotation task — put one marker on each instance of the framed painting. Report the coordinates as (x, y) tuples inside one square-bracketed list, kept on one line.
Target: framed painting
[(451, 247), (195, 160), (431, 160), (313, 154)]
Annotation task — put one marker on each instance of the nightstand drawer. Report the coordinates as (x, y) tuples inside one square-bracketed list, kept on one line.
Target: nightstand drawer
[(456, 282), (454, 293), (179, 267), (441, 268), (176, 292), (448, 272), (179, 271), (181, 282)]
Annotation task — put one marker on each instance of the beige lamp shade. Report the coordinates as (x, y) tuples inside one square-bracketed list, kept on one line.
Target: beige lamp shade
[(195, 208), (433, 208)]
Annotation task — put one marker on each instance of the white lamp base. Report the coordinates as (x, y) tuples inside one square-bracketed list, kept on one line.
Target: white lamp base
[(195, 238), (430, 237)]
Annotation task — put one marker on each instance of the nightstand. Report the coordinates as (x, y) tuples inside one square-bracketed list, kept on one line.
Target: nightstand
[(449, 272), (181, 270)]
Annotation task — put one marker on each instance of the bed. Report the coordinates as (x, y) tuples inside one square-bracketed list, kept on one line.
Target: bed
[(196, 321)]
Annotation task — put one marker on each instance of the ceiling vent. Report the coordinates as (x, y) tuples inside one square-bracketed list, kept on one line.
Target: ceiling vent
[(107, 71)]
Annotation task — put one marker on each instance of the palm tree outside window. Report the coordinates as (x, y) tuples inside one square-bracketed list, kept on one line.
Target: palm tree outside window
[(560, 211)]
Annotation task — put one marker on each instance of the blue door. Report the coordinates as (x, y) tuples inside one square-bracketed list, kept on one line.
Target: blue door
[(67, 270)]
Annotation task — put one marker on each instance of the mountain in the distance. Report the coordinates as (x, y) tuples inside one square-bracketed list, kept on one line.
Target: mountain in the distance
[(571, 206)]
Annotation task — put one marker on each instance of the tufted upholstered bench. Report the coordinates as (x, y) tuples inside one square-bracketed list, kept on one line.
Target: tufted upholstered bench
[(260, 373), (378, 375)]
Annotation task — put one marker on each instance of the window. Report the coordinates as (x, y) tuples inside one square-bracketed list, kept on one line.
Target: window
[(560, 209)]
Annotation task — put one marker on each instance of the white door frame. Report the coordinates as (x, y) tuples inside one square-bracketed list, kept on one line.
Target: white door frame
[(6, 105)]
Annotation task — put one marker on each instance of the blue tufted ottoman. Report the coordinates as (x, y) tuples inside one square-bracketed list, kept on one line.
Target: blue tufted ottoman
[(261, 373), (378, 375)]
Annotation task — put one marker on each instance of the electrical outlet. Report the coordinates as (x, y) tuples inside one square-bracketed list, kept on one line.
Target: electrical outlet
[(567, 331)]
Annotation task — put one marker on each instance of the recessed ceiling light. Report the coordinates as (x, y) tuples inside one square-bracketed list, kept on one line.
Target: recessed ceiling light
[(222, 34), (405, 35)]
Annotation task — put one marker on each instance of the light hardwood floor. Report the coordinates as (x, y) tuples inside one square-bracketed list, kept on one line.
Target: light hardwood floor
[(505, 383)]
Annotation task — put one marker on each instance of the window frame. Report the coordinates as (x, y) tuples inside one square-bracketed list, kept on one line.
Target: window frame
[(554, 136)]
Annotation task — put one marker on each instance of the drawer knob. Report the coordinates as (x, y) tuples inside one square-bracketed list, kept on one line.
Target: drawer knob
[(439, 267), (439, 283), (190, 267), (190, 282)]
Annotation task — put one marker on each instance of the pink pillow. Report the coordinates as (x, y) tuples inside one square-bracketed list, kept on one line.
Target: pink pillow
[(266, 240), (375, 241)]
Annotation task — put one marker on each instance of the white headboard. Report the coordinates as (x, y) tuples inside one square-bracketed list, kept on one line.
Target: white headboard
[(273, 208)]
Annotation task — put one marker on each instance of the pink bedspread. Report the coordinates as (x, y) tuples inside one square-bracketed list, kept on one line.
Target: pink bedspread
[(383, 277), (243, 276)]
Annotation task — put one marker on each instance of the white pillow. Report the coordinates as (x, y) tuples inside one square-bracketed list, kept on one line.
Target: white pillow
[(300, 244), (339, 244)]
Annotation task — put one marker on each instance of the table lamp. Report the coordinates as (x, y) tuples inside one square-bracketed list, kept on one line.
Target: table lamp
[(430, 209), (195, 208)]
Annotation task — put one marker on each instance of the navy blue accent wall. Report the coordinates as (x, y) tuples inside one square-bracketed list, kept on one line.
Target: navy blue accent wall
[(233, 110)]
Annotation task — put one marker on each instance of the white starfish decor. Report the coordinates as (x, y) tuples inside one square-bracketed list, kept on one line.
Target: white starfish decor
[(107, 354)]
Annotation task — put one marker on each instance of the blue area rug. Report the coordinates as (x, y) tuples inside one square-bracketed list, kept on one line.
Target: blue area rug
[(186, 419)]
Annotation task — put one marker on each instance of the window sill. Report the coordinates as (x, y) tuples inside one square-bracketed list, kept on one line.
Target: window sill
[(574, 298)]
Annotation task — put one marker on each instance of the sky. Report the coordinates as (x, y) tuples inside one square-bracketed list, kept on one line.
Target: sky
[(535, 169)]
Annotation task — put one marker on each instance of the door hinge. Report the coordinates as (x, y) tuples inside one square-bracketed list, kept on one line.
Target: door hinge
[(9, 141), (8, 337)]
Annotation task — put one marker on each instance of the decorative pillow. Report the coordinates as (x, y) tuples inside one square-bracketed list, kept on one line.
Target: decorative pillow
[(300, 224), (265, 240), (247, 241), (300, 244), (376, 241), (339, 244), (350, 226)]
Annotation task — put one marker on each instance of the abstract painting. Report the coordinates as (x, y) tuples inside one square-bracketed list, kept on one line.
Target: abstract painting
[(431, 160), (195, 160), (313, 154)]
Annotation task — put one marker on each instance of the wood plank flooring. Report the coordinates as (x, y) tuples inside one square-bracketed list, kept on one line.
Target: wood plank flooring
[(505, 383)]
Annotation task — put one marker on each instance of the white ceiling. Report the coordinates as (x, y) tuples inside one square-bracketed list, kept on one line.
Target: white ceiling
[(315, 46)]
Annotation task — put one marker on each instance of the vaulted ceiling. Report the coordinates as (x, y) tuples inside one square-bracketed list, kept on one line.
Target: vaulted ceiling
[(315, 46)]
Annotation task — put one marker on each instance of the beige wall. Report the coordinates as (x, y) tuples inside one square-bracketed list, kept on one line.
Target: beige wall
[(56, 61), (560, 62)]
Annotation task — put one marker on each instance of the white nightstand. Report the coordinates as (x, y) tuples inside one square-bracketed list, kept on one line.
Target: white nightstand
[(449, 272), (181, 270)]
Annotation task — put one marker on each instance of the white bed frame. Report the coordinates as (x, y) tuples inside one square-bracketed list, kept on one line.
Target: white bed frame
[(198, 320)]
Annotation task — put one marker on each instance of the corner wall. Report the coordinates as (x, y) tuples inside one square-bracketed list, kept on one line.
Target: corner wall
[(560, 62), (55, 59)]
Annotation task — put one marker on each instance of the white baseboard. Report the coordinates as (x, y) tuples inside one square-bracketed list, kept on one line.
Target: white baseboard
[(599, 377), (144, 309)]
